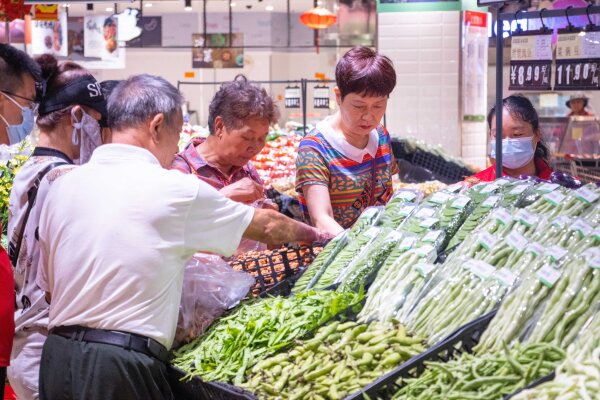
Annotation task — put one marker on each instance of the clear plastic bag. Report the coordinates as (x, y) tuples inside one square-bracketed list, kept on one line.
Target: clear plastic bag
[(210, 287), (396, 209), (248, 245)]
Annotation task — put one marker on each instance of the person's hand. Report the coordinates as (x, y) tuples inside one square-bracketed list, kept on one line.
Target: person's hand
[(270, 205), (244, 191), (324, 237)]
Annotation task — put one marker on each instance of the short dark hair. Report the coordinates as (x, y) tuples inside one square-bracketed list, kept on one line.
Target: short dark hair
[(56, 77), (364, 71), (239, 100), (521, 107), (13, 64), (141, 97)]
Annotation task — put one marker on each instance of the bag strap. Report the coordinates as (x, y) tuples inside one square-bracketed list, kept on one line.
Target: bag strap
[(14, 250), (373, 181)]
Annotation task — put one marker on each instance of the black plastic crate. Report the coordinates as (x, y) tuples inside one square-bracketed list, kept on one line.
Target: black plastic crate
[(274, 266), (196, 389), (543, 379), (462, 340)]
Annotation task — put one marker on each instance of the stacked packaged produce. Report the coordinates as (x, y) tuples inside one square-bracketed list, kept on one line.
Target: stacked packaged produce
[(276, 163)]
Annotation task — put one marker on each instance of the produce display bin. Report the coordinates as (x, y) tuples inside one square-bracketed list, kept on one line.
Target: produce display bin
[(538, 382), (443, 170), (196, 389), (462, 340), (272, 267)]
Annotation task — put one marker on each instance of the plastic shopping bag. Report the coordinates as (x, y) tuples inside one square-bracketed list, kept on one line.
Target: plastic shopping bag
[(210, 287)]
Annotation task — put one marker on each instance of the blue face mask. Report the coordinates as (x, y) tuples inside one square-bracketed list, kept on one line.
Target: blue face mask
[(515, 152), (16, 133)]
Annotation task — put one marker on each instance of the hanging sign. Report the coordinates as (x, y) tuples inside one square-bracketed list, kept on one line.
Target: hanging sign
[(531, 61), (46, 12), (577, 61), (474, 66), (292, 97), (321, 97)]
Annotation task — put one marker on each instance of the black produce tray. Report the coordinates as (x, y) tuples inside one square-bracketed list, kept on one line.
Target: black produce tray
[(461, 341), (275, 266), (443, 170), (196, 389), (543, 379)]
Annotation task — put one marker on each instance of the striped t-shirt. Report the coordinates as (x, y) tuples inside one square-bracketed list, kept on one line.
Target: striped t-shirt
[(328, 160)]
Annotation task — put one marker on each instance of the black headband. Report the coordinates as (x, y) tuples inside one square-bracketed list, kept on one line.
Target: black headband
[(84, 91)]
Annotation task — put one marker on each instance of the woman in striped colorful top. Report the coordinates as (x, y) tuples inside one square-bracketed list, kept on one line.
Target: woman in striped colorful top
[(346, 163)]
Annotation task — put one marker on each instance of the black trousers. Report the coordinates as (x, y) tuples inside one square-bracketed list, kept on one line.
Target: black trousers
[(2, 380), (75, 370)]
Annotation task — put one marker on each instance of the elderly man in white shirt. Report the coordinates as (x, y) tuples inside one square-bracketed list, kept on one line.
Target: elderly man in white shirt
[(115, 235)]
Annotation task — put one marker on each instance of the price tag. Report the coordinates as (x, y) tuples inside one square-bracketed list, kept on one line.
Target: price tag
[(502, 182), (425, 212), (489, 188), (426, 251), (547, 187), (394, 235), (561, 222), (536, 249), (526, 218), (440, 198), (516, 241), (530, 75), (424, 269), (487, 240), (428, 222), (502, 216), (582, 74), (593, 257), (406, 195), (548, 276), (480, 269), (432, 236), (505, 276), (490, 202), (518, 189), (554, 198), (372, 232), (556, 253), (460, 202), (408, 243), (454, 188), (406, 210), (583, 228), (586, 195)]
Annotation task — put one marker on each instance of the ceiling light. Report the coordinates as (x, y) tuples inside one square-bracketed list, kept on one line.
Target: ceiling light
[(188, 5), (66, 5), (269, 8), (109, 9), (148, 5), (231, 4), (319, 3)]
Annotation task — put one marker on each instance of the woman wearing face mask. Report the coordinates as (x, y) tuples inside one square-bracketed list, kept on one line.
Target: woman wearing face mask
[(346, 163), (523, 152), (69, 110)]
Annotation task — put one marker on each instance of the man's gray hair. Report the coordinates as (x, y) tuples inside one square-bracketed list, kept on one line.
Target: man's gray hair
[(140, 98)]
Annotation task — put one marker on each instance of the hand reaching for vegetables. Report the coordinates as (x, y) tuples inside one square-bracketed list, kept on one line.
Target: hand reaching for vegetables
[(244, 191)]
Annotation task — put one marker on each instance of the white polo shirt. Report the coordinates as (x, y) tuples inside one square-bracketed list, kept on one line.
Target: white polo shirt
[(116, 234)]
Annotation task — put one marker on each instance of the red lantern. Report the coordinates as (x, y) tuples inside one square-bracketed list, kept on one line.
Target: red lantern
[(318, 18)]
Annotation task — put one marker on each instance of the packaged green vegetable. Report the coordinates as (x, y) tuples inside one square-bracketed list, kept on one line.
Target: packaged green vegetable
[(367, 219), (399, 207)]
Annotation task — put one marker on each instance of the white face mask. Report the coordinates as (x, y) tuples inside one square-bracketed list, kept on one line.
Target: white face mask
[(516, 153), (90, 133)]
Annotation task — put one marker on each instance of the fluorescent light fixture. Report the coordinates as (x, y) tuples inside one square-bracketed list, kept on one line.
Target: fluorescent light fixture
[(109, 9), (147, 4), (188, 5), (232, 4), (319, 3), (269, 8), (66, 5)]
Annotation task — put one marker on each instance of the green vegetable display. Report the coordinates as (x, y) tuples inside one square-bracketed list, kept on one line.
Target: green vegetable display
[(398, 208), (367, 219), (486, 377), (341, 358), (256, 330)]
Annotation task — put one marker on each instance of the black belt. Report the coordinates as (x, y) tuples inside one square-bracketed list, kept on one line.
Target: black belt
[(128, 341)]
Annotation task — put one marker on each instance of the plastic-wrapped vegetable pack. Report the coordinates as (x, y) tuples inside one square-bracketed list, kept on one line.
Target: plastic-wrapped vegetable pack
[(314, 272), (399, 207), (369, 217), (256, 330)]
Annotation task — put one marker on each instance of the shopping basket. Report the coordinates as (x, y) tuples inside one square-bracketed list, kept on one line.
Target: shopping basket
[(274, 266)]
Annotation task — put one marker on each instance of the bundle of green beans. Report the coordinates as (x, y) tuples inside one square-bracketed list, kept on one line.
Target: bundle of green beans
[(341, 359), (564, 202), (474, 218), (484, 377), (312, 274), (578, 377), (367, 219), (256, 330)]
